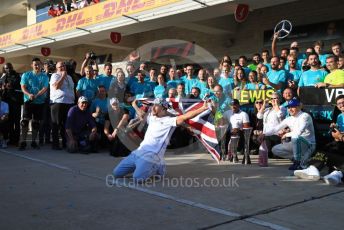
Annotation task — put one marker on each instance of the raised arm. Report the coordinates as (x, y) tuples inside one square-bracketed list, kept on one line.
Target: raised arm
[(192, 114)]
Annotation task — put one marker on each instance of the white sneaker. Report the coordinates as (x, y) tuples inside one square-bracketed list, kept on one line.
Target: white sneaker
[(310, 173), (334, 178)]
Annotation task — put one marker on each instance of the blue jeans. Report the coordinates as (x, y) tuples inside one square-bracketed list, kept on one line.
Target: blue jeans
[(143, 165)]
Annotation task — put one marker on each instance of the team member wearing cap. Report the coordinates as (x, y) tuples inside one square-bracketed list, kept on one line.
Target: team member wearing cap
[(302, 143), (120, 119), (147, 160), (237, 120), (81, 128)]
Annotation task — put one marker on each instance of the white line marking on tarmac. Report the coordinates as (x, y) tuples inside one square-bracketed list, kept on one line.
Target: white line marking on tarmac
[(154, 193)]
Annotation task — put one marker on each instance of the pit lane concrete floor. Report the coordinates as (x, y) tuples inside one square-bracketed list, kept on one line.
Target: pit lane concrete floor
[(49, 189)]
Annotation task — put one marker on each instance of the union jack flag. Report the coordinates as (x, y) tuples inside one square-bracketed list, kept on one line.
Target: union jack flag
[(202, 127), (204, 130)]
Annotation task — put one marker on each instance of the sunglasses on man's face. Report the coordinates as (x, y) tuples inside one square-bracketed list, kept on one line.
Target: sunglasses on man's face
[(259, 102)]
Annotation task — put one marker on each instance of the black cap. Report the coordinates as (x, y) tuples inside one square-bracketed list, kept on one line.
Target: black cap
[(235, 102)]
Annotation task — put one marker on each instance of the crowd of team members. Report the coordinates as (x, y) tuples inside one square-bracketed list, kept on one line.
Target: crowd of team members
[(77, 108)]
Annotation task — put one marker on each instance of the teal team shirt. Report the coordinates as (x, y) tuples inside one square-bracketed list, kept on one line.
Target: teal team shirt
[(173, 83), (189, 83), (105, 80), (311, 77), (252, 86), (141, 90), (160, 91), (277, 76), (35, 83), (227, 85), (103, 105), (294, 75), (340, 122), (223, 104), (87, 87)]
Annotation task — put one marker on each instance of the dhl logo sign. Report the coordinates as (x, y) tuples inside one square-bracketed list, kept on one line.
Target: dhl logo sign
[(90, 15)]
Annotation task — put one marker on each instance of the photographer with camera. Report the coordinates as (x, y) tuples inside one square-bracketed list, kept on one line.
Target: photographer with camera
[(332, 156), (299, 140), (12, 94), (90, 60), (34, 85)]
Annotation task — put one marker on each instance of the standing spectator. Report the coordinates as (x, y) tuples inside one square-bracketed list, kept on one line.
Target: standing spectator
[(314, 75), (243, 64), (253, 84), (140, 88), (180, 91), (118, 87), (240, 79), (106, 79), (195, 93), (276, 78), (74, 5), (4, 111), (81, 128), (294, 74), (236, 120), (225, 58), (201, 82), (66, 6), (189, 79), (266, 57), (87, 86), (226, 81), (45, 124), (13, 95), (163, 70), (341, 61), (83, 3), (222, 103), (336, 76), (173, 80), (337, 48), (211, 83), (131, 78), (160, 91), (34, 85), (152, 81), (318, 47), (255, 62), (62, 99)]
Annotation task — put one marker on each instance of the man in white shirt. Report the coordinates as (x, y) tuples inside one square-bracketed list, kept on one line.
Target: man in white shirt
[(237, 120), (61, 100), (148, 159), (302, 143)]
